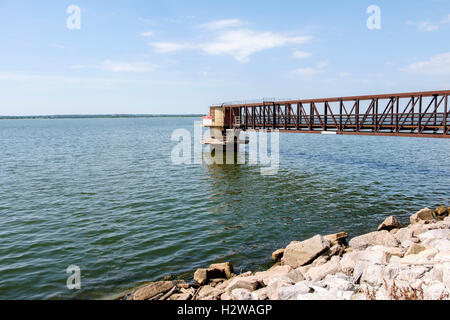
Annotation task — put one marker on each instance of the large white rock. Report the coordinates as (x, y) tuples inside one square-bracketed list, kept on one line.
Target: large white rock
[(275, 284), (250, 283), (404, 234), (373, 275), (383, 238), (338, 282), (435, 234), (298, 254), (292, 292), (243, 295), (435, 291), (274, 272), (320, 272)]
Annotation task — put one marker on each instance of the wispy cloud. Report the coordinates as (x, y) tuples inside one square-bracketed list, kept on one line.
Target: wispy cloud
[(147, 33), (222, 24), (140, 67), (301, 54), (311, 71), (428, 26), (438, 64), (115, 66), (240, 43)]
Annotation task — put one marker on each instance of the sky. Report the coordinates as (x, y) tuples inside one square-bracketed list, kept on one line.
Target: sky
[(180, 57)]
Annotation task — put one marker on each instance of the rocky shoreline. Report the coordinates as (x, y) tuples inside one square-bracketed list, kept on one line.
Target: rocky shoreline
[(395, 262)]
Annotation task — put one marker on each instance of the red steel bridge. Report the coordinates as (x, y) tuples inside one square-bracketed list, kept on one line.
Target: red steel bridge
[(414, 114)]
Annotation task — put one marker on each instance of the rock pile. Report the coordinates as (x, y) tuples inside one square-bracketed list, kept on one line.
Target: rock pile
[(392, 263)]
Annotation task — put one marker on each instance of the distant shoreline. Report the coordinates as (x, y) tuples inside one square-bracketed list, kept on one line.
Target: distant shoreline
[(102, 116)]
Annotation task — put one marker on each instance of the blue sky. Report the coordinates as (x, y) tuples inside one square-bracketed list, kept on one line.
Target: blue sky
[(181, 56)]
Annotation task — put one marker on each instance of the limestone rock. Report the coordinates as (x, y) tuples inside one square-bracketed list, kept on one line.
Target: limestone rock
[(424, 214), (292, 292), (266, 276), (404, 234), (209, 293), (249, 283), (337, 238), (275, 284), (243, 295), (218, 271), (320, 272), (180, 296), (389, 224), (298, 254), (152, 290), (278, 254), (225, 267), (383, 238), (372, 275), (435, 234), (415, 249)]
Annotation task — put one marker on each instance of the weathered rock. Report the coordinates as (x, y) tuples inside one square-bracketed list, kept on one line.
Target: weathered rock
[(203, 276), (225, 268), (298, 254), (152, 290), (295, 275), (275, 284), (435, 234), (337, 238), (372, 275), (265, 276), (404, 234), (424, 214), (415, 249), (338, 282), (249, 283), (320, 272), (278, 254), (243, 295), (325, 256), (292, 292), (383, 238), (435, 291), (209, 293), (261, 293), (389, 224), (180, 296), (441, 212)]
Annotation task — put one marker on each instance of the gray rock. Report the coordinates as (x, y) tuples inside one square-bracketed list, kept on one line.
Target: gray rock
[(422, 215), (373, 275), (383, 238), (243, 295), (389, 224), (152, 290), (250, 283), (298, 254), (320, 272), (292, 292)]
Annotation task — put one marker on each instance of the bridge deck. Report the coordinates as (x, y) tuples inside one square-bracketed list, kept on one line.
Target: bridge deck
[(418, 114)]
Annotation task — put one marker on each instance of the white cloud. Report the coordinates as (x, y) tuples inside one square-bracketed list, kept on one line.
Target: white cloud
[(437, 64), (147, 33), (308, 71), (166, 47), (301, 54), (427, 26), (311, 71), (240, 44), (140, 67), (222, 24)]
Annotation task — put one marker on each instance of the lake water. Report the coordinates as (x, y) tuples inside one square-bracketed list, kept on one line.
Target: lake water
[(104, 195)]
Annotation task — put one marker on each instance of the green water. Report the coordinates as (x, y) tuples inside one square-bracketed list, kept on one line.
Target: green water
[(103, 194)]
